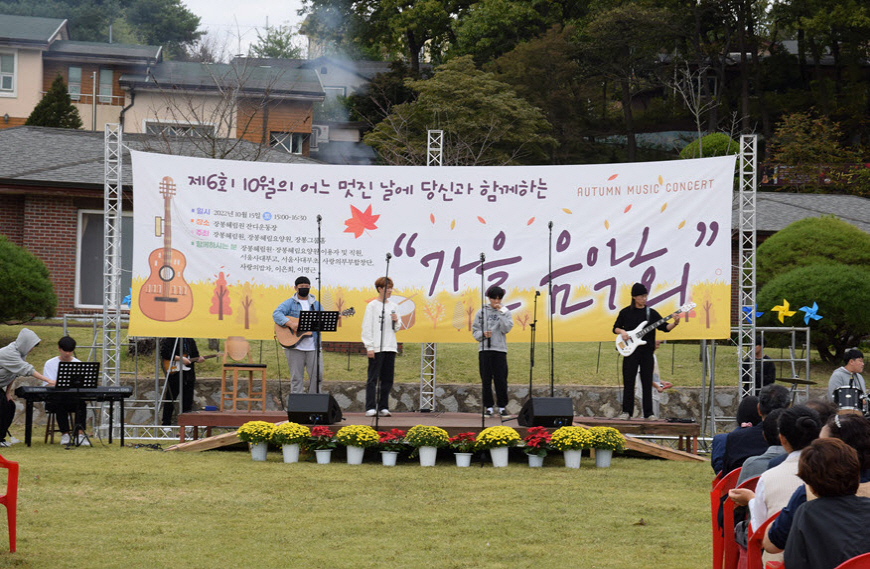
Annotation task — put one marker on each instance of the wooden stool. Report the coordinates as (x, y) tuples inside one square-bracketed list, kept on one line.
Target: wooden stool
[(238, 351), (50, 426)]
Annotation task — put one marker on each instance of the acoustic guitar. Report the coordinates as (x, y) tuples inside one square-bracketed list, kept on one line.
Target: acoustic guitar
[(288, 337), (176, 366), (165, 296)]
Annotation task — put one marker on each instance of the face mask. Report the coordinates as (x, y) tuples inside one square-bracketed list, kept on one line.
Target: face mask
[(302, 292)]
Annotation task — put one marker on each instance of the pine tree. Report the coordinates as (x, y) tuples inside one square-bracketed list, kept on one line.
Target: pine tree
[(55, 109)]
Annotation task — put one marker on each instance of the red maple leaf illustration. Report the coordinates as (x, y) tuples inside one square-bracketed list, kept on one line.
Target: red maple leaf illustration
[(360, 221)]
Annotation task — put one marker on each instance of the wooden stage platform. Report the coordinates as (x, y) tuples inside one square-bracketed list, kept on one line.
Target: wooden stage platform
[(453, 423)]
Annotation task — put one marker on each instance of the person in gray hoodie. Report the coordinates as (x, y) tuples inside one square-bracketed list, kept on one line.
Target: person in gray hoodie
[(12, 366), (491, 324)]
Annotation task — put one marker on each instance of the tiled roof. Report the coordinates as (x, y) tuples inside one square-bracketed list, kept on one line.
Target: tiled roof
[(74, 158), (98, 49), (27, 29), (776, 210)]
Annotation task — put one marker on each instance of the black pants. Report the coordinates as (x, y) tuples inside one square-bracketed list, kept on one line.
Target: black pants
[(643, 360), (187, 394), (7, 413), (381, 367), (493, 369), (62, 409)]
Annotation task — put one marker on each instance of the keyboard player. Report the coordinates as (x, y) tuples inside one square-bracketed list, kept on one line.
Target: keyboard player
[(13, 364), (65, 353)]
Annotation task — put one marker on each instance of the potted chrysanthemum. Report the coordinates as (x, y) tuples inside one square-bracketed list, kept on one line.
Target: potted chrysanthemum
[(571, 441), (427, 440), (537, 441), (257, 434), (289, 436), (391, 443), (356, 438), (321, 442), (498, 439), (463, 447), (605, 440)]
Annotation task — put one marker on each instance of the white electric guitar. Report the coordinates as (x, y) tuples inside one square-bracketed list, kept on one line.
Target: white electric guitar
[(635, 337)]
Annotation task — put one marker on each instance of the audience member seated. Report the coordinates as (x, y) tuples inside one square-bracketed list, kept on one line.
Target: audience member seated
[(825, 409), (756, 465), (854, 430), (832, 528), (747, 416), (743, 443)]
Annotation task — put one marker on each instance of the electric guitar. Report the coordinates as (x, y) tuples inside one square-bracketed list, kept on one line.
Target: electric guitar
[(288, 337), (635, 337), (165, 296), (176, 366)]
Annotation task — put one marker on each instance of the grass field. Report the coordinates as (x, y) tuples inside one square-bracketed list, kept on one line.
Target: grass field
[(111, 507), (576, 363)]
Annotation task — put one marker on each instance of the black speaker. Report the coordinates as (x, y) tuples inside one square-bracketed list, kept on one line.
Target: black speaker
[(313, 409), (547, 412)]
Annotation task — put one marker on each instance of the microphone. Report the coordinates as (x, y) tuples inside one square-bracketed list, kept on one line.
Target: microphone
[(319, 218), (392, 313), (482, 257), (389, 256), (550, 225), (537, 293)]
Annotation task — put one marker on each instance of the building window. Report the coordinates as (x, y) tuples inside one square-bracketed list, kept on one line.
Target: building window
[(291, 142), (106, 85), (7, 73), (179, 129), (89, 261), (75, 83)]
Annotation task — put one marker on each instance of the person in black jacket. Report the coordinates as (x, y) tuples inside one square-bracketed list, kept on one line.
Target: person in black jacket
[(179, 355)]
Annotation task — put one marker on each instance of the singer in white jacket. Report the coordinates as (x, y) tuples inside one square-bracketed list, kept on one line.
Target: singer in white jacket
[(381, 347)]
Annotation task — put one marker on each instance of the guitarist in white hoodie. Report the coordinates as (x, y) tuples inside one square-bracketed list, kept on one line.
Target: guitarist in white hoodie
[(628, 319)]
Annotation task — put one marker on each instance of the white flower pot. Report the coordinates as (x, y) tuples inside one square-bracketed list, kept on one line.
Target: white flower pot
[(388, 457), (323, 455), (355, 454), (572, 458), (427, 455), (463, 458), (535, 461), (499, 456), (291, 453), (602, 457), (258, 451)]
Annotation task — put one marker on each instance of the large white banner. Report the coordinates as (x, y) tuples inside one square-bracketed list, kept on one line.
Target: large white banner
[(219, 243)]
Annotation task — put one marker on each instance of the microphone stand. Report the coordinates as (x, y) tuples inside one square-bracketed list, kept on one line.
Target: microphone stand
[(533, 327), (377, 366), (483, 332), (552, 304), (317, 371)]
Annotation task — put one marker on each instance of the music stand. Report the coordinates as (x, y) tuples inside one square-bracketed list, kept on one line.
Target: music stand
[(77, 375)]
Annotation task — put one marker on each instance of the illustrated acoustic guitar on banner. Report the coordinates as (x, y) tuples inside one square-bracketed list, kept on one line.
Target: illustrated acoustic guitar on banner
[(288, 337), (635, 337), (165, 296)]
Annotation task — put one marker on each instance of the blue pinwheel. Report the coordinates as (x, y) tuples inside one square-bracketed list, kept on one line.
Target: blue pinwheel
[(810, 313), (748, 314)]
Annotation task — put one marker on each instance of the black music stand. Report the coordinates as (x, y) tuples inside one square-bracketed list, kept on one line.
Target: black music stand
[(317, 321), (76, 376)]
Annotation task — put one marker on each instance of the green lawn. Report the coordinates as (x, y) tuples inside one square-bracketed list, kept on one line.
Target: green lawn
[(576, 363), (123, 507)]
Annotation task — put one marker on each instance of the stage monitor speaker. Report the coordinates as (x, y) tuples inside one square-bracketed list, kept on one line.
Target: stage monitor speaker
[(547, 412), (313, 409)]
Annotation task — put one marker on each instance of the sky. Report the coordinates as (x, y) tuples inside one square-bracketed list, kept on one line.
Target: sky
[(233, 22)]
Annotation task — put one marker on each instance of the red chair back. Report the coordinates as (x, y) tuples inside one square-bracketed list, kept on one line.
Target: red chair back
[(732, 550), (753, 545), (859, 562), (10, 498), (726, 482)]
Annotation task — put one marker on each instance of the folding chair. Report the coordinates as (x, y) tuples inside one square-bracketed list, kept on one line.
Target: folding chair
[(727, 482), (10, 498)]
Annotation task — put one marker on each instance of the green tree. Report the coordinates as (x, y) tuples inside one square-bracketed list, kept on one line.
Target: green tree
[(842, 294), (493, 27), (812, 241), (55, 109), (164, 22), (24, 280), (714, 144), (381, 94), (484, 121), (276, 43)]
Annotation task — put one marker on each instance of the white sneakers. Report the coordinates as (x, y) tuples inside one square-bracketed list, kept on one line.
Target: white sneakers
[(386, 413), (623, 416), (371, 413), (65, 439)]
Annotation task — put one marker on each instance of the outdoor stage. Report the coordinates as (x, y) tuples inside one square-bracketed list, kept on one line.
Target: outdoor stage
[(453, 423)]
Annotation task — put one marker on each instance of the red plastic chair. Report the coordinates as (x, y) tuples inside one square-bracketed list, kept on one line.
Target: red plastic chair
[(716, 480), (753, 544), (10, 498), (732, 550), (726, 483), (860, 562)]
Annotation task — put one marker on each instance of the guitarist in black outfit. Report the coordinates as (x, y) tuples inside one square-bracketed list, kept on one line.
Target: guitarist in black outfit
[(183, 353), (627, 320)]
